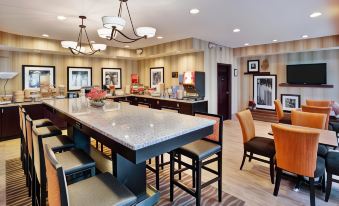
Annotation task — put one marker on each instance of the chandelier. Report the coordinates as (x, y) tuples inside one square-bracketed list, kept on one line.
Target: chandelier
[(113, 26), (77, 47)]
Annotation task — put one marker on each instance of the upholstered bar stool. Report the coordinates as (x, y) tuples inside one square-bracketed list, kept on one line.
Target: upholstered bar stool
[(255, 145), (202, 153), (74, 161), (332, 168), (296, 152), (282, 118), (100, 190)]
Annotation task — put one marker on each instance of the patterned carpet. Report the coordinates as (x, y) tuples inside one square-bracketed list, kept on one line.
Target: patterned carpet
[(17, 193)]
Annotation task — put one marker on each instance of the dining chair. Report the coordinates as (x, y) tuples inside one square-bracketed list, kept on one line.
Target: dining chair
[(296, 152), (100, 190), (321, 110), (254, 144), (282, 118), (318, 103), (332, 168), (201, 153)]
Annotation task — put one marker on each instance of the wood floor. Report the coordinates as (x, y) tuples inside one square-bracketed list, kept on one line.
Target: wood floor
[(252, 184)]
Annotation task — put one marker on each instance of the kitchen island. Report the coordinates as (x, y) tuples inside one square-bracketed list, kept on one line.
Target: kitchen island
[(134, 135)]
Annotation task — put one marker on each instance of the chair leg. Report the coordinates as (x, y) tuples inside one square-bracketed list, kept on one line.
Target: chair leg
[(328, 187), (171, 176), (272, 170), (157, 171), (43, 194), (277, 182), (150, 161), (193, 173), (179, 165), (198, 184), (162, 161), (323, 179), (33, 188), (220, 176), (250, 158), (243, 160), (312, 191)]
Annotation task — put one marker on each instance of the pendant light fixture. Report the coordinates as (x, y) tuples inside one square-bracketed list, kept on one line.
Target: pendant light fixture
[(113, 26), (77, 47)]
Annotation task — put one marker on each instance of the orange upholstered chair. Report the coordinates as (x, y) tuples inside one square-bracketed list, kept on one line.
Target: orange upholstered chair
[(296, 152), (321, 110), (282, 118), (253, 144), (318, 103)]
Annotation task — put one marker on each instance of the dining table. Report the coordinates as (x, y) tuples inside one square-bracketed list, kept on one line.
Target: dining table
[(134, 134)]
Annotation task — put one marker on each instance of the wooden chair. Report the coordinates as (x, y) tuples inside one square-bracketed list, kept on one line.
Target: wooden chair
[(255, 145), (318, 103), (332, 168), (282, 118), (320, 110), (296, 152), (100, 190), (202, 153)]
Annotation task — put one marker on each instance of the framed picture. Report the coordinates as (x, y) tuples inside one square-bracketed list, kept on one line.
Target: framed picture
[(35, 76), (290, 101), (78, 77), (264, 91), (174, 74), (111, 76), (253, 66), (156, 76)]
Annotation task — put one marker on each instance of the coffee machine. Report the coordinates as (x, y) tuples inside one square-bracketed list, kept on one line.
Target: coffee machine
[(194, 85)]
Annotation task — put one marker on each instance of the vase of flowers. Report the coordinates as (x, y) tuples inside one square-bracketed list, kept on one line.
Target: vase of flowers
[(97, 97)]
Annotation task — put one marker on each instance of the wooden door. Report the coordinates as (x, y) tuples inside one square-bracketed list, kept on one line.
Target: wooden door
[(225, 90)]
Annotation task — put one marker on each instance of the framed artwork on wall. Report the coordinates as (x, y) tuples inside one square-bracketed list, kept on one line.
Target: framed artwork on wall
[(78, 77), (290, 101), (156, 76), (264, 91), (175, 74), (253, 66), (111, 76), (34, 76)]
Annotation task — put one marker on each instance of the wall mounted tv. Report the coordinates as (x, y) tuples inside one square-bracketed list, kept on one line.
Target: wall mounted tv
[(307, 74)]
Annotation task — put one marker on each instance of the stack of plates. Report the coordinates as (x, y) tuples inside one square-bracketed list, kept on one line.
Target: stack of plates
[(18, 96)]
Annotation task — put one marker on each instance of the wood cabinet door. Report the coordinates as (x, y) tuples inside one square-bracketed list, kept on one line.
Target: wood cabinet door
[(10, 125)]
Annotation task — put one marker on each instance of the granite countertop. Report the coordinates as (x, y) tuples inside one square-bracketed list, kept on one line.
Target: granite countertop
[(132, 126), (160, 98), (19, 103)]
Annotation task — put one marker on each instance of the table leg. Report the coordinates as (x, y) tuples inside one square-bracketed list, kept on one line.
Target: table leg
[(134, 177)]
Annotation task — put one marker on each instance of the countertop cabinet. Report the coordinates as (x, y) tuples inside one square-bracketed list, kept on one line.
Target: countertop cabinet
[(9, 122)]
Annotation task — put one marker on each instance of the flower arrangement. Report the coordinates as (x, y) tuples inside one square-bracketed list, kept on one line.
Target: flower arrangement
[(97, 96)]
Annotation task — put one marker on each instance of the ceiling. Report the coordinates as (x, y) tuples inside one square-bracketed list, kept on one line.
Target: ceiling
[(260, 21)]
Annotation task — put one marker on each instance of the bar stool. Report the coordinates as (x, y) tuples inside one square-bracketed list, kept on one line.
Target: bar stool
[(201, 153), (332, 168), (100, 190), (74, 161)]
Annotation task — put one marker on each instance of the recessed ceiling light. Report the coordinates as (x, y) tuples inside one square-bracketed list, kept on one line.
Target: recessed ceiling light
[(194, 11), (274, 40), (304, 36), (126, 46), (61, 18), (315, 14), (45, 35), (160, 37), (236, 30), (246, 44)]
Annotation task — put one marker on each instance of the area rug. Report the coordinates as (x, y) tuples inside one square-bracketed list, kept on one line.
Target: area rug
[(17, 192)]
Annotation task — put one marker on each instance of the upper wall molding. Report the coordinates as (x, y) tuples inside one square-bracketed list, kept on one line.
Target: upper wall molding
[(314, 44)]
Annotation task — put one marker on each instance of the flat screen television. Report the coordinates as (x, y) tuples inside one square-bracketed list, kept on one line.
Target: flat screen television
[(307, 74)]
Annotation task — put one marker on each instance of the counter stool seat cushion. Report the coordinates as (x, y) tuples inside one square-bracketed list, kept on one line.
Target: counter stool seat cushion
[(102, 189), (57, 143), (261, 146), (322, 151), (320, 167), (42, 123), (199, 149), (74, 161), (47, 131), (285, 120), (332, 163)]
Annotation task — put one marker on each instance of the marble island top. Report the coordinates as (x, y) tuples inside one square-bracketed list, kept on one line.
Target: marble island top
[(132, 126)]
